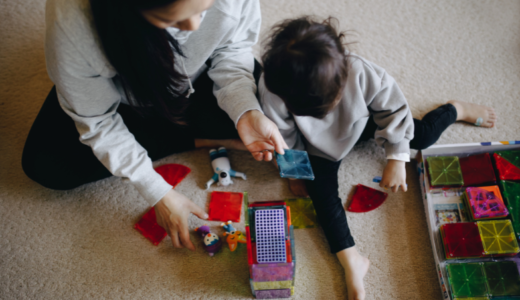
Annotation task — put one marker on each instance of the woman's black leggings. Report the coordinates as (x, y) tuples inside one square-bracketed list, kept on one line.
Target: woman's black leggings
[(323, 190), (54, 157)]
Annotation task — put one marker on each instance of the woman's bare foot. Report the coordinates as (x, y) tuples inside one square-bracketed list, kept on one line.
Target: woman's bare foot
[(297, 187), (470, 112), (233, 144), (356, 267)]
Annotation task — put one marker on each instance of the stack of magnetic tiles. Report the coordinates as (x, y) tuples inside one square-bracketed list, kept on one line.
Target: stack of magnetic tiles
[(270, 250)]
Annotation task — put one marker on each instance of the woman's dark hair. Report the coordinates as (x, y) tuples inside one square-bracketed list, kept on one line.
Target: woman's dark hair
[(305, 64), (142, 54)]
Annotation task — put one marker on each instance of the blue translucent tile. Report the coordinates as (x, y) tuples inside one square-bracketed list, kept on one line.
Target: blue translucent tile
[(295, 164)]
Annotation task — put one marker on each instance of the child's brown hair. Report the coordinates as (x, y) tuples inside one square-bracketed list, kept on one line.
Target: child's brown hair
[(305, 64)]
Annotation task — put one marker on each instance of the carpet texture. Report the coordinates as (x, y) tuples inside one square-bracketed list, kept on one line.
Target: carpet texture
[(81, 244)]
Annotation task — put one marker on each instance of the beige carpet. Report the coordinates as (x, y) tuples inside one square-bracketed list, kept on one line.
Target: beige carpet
[(80, 244)]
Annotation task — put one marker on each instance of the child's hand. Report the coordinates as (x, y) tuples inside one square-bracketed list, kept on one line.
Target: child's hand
[(394, 176)]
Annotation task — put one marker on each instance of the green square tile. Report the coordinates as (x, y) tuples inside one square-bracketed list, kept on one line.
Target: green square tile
[(467, 280), (303, 214), (444, 170), (472, 298), (511, 194), (498, 237), (502, 278)]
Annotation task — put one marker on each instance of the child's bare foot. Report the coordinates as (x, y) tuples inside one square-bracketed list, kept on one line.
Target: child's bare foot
[(469, 112), (297, 187), (356, 267)]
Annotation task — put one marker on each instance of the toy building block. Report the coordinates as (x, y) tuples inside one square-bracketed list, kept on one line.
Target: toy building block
[(295, 164), (272, 272), (303, 214), (467, 280), (150, 229), (462, 240), (485, 203), (498, 237), (272, 285), (225, 206), (473, 298), (511, 194), (507, 164), (273, 294), (173, 173), (477, 170), (270, 236), (366, 199), (502, 278), (444, 171), (252, 209)]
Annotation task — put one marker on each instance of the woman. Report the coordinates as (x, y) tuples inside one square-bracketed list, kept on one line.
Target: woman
[(123, 71)]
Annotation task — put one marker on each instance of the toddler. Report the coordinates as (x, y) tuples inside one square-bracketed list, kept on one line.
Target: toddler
[(325, 100)]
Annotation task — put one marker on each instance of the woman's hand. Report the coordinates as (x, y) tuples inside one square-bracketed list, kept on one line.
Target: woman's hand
[(172, 213), (260, 135), (394, 176)]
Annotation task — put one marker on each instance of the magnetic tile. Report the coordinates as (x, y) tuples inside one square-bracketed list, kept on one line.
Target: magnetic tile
[(462, 240), (272, 285), (303, 214), (511, 194), (295, 164), (366, 199), (512, 156), (502, 278), (272, 272), (486, 202), (472, 298), (467, 280), (225, 206), (477, 170), (173, 173), (506, 169), (444, 171), (270, 236), (150, 229), (498, 237), (273, 294), (252, 209)]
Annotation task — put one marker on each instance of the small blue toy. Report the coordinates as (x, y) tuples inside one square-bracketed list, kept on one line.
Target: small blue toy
[(222, 168), (294, 164)]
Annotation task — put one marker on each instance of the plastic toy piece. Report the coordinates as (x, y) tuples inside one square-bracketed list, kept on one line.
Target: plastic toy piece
[(506, 169), (173, 173), (477, 170), (150, 229), (270, 236), (513, 156), (233, 236), (444, 171), (502, 278), (272, 272), (366, 199), (473, 298), (467, 280), (303, 214), (511, 193), (252, 209), (462, 240), (222, 168), (225, 206), (273, 294), (295, 164), (212, 243), (272, 285), (498, 237), (486, 202)]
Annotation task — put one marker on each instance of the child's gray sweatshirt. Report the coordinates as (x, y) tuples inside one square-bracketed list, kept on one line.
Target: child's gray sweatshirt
[(89, 91), (369, 91)]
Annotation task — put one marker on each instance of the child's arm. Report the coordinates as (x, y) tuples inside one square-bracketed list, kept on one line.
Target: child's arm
[(394, 176)]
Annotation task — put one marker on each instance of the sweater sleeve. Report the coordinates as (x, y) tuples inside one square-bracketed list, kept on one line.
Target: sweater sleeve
[(275, 109), (91, 100), (392, 116), (232, 64)]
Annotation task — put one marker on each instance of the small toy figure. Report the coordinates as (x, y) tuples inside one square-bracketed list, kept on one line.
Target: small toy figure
[(222, 168), (233, 236), (212, 242)]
